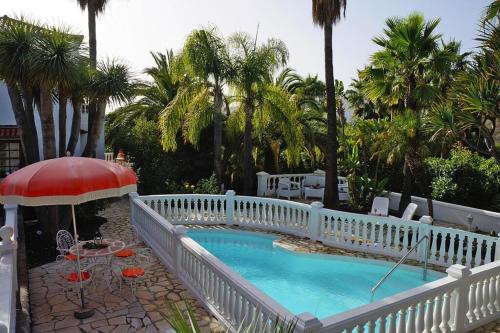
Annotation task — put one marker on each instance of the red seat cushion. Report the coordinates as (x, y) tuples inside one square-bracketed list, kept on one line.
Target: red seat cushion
[(125, 253), (71, 257), (73, 276), (133, 272)]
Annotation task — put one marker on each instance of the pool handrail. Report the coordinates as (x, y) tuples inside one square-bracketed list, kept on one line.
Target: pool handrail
[(402, 260)]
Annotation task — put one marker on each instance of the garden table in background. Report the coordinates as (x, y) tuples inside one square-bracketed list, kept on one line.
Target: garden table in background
[(114, 246)]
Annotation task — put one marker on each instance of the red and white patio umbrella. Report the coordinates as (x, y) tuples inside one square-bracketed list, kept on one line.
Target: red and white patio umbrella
[(67, 181)]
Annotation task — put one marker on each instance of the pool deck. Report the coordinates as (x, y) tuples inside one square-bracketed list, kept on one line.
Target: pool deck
[(52, 311)]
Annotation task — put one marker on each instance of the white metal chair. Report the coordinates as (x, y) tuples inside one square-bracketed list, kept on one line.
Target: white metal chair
[(135, 247), (132, 273), (380, 206), (69, 274), (288, 189), (409, 212), (64, 242)]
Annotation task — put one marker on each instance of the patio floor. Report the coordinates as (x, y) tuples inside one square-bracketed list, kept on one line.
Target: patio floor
[(51, 311)]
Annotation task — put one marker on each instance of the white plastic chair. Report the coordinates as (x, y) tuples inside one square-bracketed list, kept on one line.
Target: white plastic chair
[(409, 212), (380, 206), (288, 189)]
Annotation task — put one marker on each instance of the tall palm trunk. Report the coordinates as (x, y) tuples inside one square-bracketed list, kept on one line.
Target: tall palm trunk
[(30, 117), (47, 120), (407, 185), (218, 135), (91, 10), (331, 199), (247, 150), (92, 13), (63, 102), (28, 143), (95, 130), (75, 124)]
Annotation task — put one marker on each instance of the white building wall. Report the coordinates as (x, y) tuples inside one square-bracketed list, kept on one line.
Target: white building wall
[(7, 118)]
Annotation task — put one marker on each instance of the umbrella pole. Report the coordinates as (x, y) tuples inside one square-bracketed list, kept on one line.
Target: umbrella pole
[(82, 314)]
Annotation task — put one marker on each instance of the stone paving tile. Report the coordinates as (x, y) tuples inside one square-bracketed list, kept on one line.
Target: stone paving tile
[(115, 312)]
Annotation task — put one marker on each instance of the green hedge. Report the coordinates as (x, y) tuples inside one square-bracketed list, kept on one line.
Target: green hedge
[(465, 178)]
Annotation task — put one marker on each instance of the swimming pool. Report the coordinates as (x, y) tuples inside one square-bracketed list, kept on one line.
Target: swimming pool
[(323, 285)]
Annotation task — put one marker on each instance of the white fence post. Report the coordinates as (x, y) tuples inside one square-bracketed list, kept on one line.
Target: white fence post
[(459, 297), (179, 232), (314, 221), (306, 322), (229, 207), (11, 221), (424, 229), (132, 196), (262, 178)]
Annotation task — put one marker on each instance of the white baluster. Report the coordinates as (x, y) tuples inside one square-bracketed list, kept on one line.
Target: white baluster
[(410, 323), (428, 316), (486, 297), (477, 259), (420, 321), (438, 310), (472, 303), (479, 300), (401, 321), (445, 327), (497, 288)]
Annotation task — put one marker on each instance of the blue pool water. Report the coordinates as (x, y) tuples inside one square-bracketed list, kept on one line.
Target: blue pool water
[(320, 284)]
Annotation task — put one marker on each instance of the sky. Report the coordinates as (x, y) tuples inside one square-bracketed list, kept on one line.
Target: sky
[(130, 29)]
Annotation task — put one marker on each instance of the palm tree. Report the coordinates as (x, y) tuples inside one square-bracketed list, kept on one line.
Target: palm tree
[(326, 13), (309, 96), (470, 114), (153, 95), (56, 59), (110, 82), (199, 101), (78, 88), (94, 8), (404, 75), (17, 44), (254, 68), (276, 126)]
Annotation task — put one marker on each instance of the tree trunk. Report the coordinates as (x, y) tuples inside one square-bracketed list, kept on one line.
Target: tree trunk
[(28, 143), (75, 124), (30, 116), (218, 136), (95, 130), (331, 199), (247, 150), (91, 10), (63, 102), (93, 64), (407, 186), (47, 120), (275, 149)]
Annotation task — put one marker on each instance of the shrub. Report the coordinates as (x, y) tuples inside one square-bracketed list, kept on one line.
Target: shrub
[(465, 178), (204, 186)]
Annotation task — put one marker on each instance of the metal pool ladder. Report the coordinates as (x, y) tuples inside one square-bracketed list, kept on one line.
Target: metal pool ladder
[(402, 260)]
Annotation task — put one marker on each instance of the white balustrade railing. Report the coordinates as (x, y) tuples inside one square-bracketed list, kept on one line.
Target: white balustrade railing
[(230, 297), (8, 270), (466, 299), (267, 184)]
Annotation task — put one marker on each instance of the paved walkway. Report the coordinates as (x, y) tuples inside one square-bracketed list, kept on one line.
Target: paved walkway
[(52, 311)]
